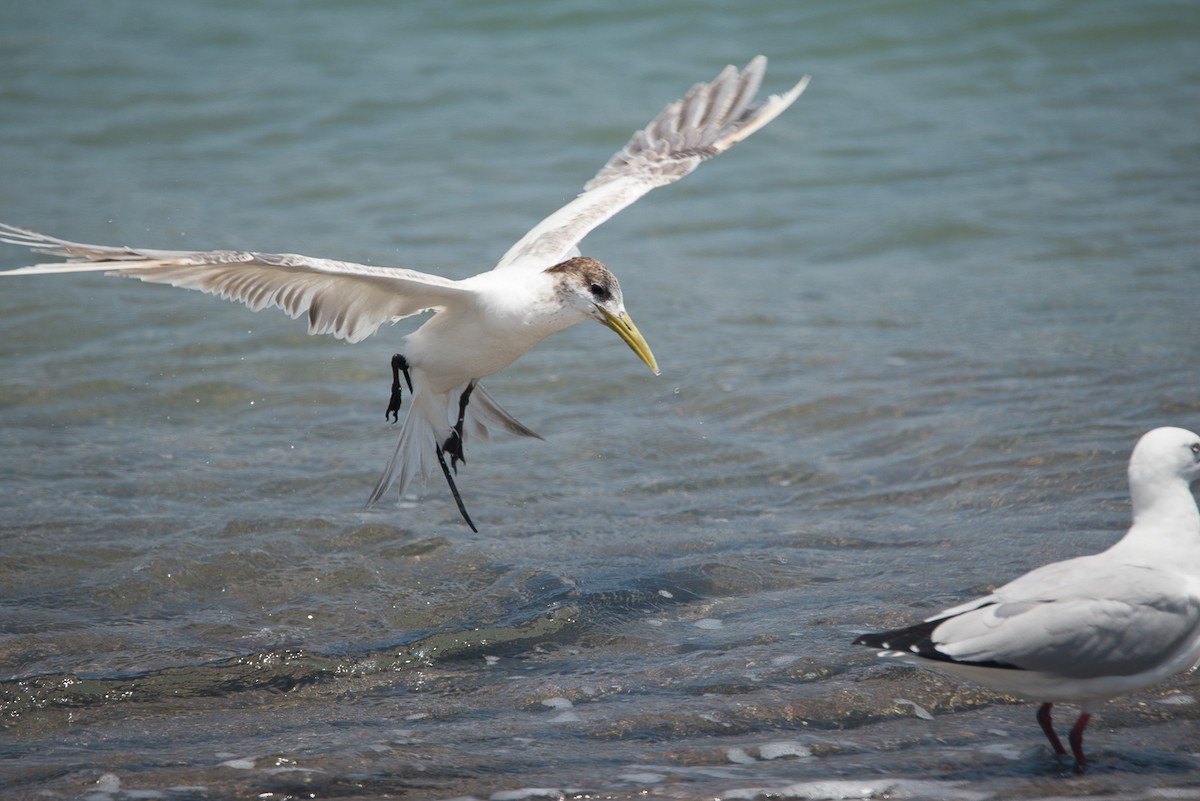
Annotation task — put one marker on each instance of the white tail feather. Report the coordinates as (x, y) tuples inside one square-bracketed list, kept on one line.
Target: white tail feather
[(416, 451), (429, 422), (484, 416)]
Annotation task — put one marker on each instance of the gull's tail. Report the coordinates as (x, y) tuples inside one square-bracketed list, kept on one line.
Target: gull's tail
[(430, 422)]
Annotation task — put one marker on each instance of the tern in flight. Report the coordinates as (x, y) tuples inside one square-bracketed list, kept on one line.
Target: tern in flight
[(1090, 628), (481, 324)]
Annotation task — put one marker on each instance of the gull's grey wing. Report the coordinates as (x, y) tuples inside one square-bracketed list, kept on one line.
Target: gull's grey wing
[(711, 119), (349, 301), (1086, 621)]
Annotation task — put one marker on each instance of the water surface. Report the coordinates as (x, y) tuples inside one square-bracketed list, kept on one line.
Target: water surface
[(909, 334)]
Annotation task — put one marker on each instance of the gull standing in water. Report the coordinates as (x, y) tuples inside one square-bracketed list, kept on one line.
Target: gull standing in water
[(480, 325), (1088, 629)]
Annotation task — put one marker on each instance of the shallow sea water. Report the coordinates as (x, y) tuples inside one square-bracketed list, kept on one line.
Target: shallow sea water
[(909, 333)]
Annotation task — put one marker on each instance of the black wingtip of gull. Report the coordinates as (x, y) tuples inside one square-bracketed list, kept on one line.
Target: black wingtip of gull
[(918, 641)]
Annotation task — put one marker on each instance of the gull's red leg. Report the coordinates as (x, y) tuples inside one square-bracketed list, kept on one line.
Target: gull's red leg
[(1076, 740), (1043, 717)]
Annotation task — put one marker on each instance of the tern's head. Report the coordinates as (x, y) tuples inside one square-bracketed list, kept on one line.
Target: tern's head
[(588, 286)]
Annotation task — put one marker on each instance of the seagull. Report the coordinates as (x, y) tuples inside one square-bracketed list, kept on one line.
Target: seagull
[(1086, 630), (480, 325)]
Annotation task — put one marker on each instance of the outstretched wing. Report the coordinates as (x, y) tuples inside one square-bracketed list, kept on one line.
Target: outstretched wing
[(349, 301), (711, 119)]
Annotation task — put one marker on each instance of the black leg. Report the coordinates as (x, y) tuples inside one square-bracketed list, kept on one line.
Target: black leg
[(454, 443), (399, 363), (454, 490)]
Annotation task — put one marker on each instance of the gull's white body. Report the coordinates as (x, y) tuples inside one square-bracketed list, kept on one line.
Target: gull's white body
[(1089, 629), (480, 324)]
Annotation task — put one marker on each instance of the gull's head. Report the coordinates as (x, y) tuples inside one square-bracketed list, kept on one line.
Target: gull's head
[(588, 287), (1164, 463), (1165, 454)]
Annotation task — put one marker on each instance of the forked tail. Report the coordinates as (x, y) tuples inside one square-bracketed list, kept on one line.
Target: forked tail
[(431, 430)]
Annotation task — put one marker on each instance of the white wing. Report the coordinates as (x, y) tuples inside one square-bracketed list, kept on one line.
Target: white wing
[(1078, 619), (349, 301), (711, 119)]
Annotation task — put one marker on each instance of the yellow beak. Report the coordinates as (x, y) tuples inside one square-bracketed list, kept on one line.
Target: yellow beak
[(627, 331)]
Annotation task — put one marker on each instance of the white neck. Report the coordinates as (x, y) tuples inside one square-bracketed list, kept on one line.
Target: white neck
[(1166, 522)]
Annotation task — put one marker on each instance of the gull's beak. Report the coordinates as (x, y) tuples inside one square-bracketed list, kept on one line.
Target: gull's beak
[(627, 331)]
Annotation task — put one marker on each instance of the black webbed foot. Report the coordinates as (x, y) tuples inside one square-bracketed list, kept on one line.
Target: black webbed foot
[(399, 364), (453, 447)]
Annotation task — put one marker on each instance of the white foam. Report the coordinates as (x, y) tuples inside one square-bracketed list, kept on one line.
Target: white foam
[(918, 710), (784, 749), (1007, 750), (873, 788), (527, 792), (739, 756)]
